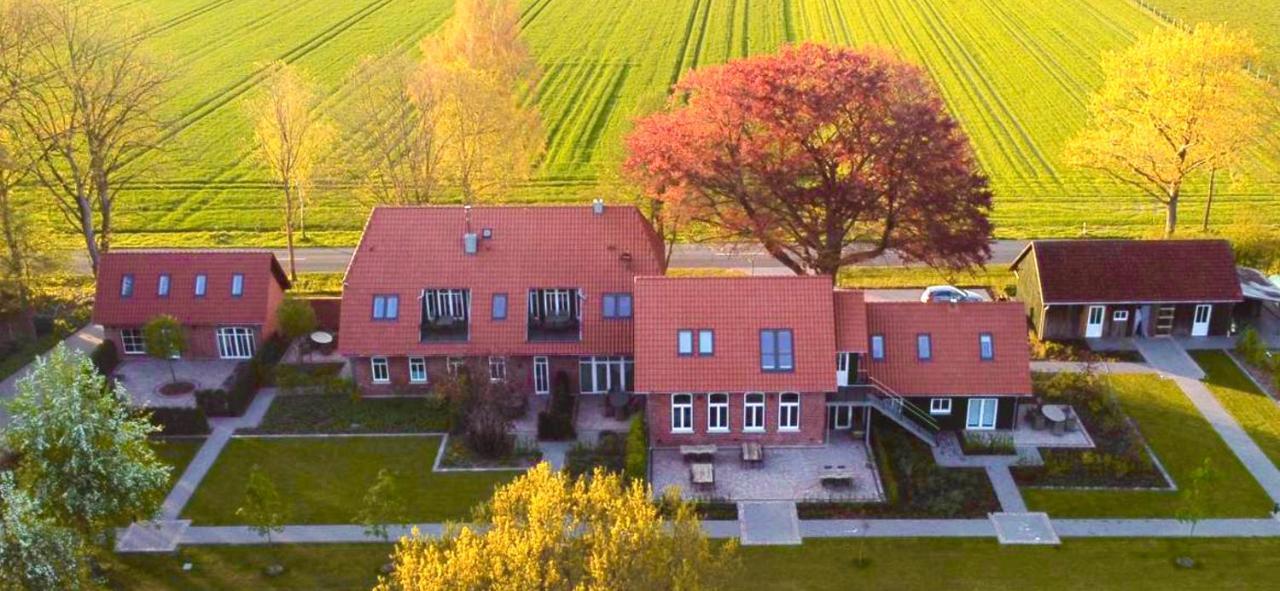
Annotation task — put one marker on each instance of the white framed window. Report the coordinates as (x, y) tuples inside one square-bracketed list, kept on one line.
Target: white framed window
[(982, 414), (706, 342), (600, 374), (684, 343), (877, 347), (940, 406), (131, 341), (445, 303), (789, 411), (379, 370), (454, 364), (753, 412), (235, 342), (681, 413), (162, 285), (497, 369), (1120, 316), (986, 346), (202, 285), (237, 285), (417, 370), (541, 375), (557, 302), (386, 307), (718, 413), (839, 416)]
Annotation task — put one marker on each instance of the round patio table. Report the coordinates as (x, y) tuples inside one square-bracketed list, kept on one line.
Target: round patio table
[(321, 338), (1054, 413)]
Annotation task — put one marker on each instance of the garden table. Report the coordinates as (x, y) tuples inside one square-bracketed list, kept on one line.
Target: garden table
[(1056, 413)]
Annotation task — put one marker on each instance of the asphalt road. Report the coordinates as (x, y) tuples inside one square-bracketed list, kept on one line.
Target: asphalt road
[(746, 257)]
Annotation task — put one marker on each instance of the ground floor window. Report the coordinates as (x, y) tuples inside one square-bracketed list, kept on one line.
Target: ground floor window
[(235, 342), (753, 412), (982, 413), (541, 375), (840, 416), (940, 406), (131, 341), (597, 375), (789, 411), (381, 373), (454, 364), (682, 413), (497, 369), (417, 370), (718, 412)]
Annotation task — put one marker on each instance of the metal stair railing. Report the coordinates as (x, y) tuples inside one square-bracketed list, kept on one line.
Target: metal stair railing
[(903, 412)]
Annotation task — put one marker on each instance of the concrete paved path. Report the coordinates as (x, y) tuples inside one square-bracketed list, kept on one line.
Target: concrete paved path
[(83, 340), (1006, 489), (769, 523), (1234, 435), (1169, 358)]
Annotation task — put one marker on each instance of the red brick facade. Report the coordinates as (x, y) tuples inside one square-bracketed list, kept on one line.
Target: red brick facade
[(519, 373), (812, 431)]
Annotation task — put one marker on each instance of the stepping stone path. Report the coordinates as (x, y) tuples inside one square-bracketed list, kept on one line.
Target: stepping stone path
[(153, 536), (769, 524), (1024, 528)]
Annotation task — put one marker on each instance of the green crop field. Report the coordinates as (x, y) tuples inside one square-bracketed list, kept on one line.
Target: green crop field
[(1016, 73), (1260, 17)]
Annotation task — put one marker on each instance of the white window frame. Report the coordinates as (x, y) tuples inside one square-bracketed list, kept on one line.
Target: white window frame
[(452, 364), (596, 362), (877, 347), (557, 302), (986, 346), (446, 302), (682, 413), (940, 406), (201, 286), (237, 285), (131, 341), (497, 368), (717, 412), (1120, 316), (417, 370), (788, 412), (981, 405), (837, 412), (379, 370), (541, 375), (126, 285), (163, 285), (235, 342), (754, 410)]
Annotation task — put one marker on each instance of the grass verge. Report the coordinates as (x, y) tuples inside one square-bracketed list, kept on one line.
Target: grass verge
[(176, 453), (1251, 407), (341, 414)]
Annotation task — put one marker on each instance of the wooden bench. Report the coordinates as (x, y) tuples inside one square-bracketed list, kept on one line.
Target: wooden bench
[(702, 475), (752, 454), (697, 452)]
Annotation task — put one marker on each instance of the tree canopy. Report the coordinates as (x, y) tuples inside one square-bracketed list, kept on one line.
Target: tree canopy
[(825, 156)]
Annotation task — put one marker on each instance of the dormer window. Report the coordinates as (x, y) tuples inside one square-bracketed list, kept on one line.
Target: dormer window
[(162, 286), (986, 347), (126, 286), (386, 307), (202, 284), (237, 285)]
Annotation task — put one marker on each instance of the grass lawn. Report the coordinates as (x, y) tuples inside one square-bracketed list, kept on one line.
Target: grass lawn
[(324, 480), (340, 414), (994, 277), (177, 453), (1256, 412), (1182, 439), (817, 565)]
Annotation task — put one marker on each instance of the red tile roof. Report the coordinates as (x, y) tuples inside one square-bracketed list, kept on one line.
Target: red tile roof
[(956, 368), (259, 267), (737, 309), (407, 249), (851, 321), (1141, 271)]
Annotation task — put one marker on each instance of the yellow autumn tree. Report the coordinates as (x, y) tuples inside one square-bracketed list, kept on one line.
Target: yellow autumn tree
[(549, 532), (1174, 105), (289, 135)]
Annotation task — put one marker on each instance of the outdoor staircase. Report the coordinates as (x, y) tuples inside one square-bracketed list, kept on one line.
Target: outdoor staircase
[(897, 409)]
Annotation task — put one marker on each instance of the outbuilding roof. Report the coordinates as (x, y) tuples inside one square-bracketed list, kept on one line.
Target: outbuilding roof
[(145, 267), (1133, 271)]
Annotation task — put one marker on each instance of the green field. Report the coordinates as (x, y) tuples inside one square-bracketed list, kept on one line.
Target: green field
[(1017, 73), (1260, 17)]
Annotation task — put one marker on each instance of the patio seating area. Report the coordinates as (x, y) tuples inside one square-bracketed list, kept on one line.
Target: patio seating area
[(142, 378), (838, 471), (1053, 425)]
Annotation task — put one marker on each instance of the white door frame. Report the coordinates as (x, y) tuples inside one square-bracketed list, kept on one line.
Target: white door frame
[(843, 359), (980, 405), (1093, 330), (1200, 328)]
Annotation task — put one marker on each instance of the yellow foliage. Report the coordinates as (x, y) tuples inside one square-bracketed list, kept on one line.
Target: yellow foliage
[(547, 531)]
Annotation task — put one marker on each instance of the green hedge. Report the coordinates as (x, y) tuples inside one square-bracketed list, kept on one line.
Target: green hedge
[(105, 357), (637, 462), (180, 421)]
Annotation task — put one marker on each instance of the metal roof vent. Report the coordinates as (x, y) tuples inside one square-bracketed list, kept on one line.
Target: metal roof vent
[(486, 233), (597, 206), (469, 242)]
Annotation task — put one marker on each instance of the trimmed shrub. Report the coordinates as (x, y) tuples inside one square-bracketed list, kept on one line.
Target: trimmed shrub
[(637, 455), (105, 357), (180, 421), (553, 426), (1252, 349)]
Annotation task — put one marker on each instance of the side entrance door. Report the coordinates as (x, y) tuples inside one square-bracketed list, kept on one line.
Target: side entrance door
[(1200, 322), (1093, 326), (843, 363)]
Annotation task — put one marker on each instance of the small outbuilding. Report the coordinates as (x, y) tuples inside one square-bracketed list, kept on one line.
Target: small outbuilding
[(1074, 289)]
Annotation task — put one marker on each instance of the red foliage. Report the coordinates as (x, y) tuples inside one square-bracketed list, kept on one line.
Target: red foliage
[(827, 156)]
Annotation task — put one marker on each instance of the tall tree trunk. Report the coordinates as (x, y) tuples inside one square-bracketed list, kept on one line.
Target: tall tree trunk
[(288, 230), (17, 258), (1171, 211), (87, 231), (1208, 204)]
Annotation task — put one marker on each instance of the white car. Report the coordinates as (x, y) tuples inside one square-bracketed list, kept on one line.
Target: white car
[(948, 293)]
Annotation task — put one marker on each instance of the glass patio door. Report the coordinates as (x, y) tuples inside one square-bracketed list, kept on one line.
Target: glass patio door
[(982, 413)]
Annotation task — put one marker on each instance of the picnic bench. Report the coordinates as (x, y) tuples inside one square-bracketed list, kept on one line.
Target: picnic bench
[(836, 475), (702, 474), (752, 454), (697, 452)]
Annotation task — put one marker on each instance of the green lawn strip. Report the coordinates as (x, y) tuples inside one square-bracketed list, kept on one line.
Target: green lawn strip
[(341, 414), (1252, 408), (1182, 439), (176, 453), (324, 479), (816, 565)]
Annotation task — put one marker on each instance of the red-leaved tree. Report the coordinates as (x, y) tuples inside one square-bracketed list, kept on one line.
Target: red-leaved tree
[(826, 156)]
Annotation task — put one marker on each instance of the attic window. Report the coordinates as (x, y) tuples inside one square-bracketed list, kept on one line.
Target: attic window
[(162, 286), (126, 286), (924, 347), (202, 283), (237, 285), (986, 347)]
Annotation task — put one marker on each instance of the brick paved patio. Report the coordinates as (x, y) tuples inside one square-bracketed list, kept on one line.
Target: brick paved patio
[(142, 378), (788, 474)]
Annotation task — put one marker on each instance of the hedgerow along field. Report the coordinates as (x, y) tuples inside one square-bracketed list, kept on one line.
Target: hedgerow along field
[(1016, 73)]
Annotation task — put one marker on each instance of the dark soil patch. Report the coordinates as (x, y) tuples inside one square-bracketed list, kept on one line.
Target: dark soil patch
[(177, 388)]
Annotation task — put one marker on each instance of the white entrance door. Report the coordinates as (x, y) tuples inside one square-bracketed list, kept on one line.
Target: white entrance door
[(982, 413), (842, 368), (1093, 328), (1200, 323)]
